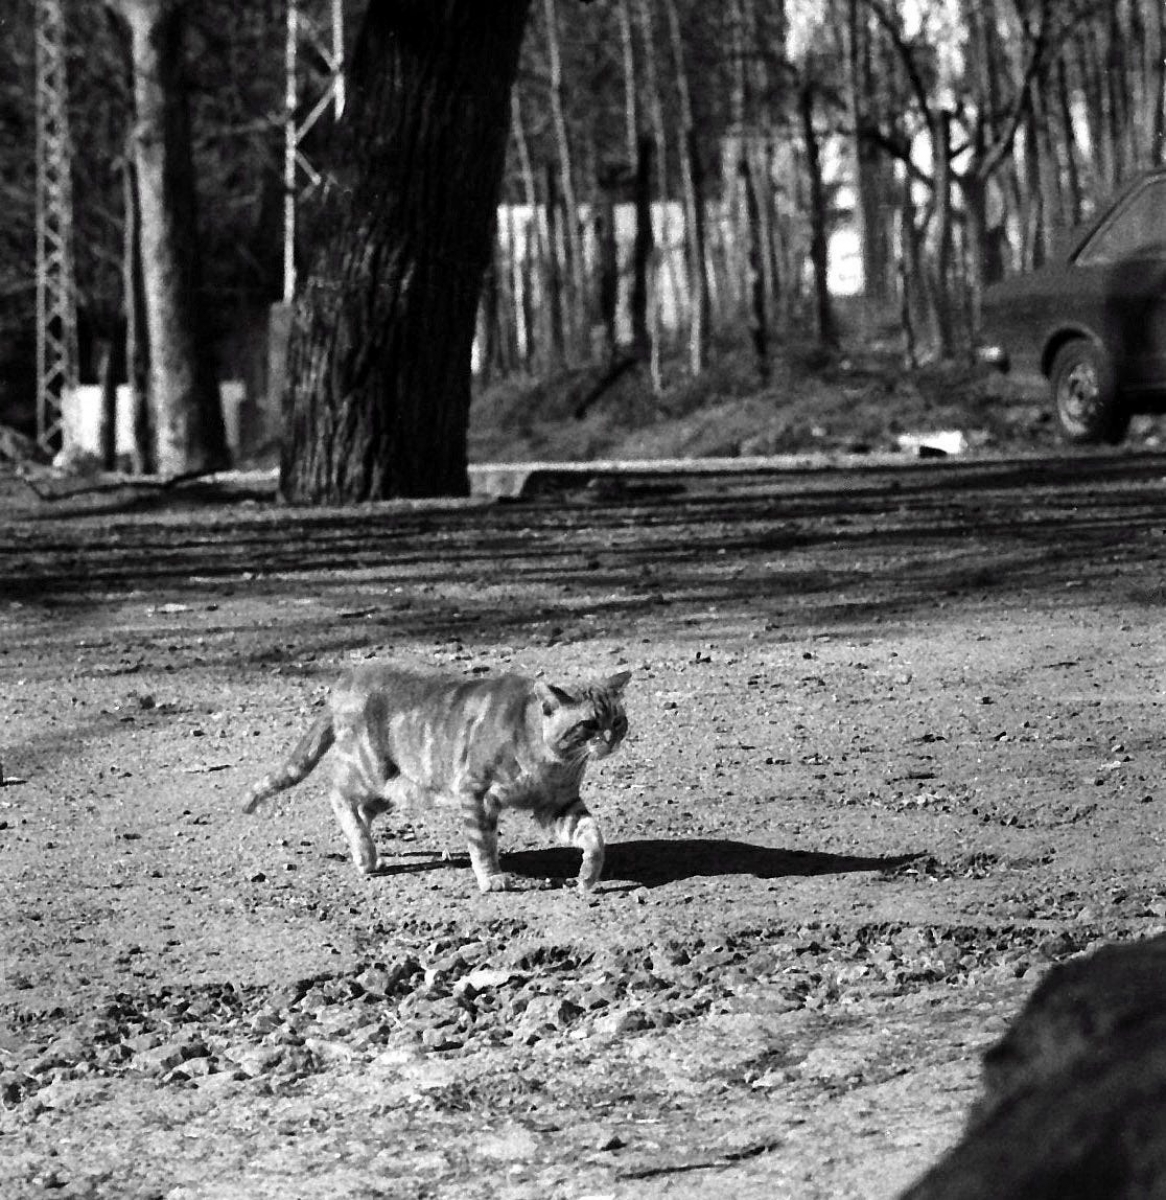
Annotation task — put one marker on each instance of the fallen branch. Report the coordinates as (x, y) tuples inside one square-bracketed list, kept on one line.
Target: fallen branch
[(703, 1164), (615, 372), (114, 485), (18, 448)]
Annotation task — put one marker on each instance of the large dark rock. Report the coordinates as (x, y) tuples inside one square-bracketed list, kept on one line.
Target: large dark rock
[(1074, 1104)]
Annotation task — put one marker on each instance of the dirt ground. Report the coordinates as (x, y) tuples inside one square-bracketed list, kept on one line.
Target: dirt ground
[(897, 745)]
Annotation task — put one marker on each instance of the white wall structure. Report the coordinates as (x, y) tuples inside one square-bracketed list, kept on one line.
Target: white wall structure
[(81, 419)]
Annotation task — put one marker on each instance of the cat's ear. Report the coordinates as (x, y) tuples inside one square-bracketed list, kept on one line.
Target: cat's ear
[(552, 698), (617, 683)]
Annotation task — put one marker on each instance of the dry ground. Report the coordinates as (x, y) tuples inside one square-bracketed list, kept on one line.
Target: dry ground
[(897, 746)]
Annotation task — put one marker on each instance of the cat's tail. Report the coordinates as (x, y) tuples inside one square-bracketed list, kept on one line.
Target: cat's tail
[(309, 750)]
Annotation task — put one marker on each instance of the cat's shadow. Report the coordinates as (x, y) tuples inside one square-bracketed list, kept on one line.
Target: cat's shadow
[(653, 862)]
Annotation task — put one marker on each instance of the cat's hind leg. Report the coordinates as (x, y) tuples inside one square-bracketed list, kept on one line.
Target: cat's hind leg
[(354, 819), (355, 803), (575, 826), (480, 821)]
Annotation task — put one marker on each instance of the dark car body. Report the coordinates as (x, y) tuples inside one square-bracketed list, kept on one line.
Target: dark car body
[(1093, 320)]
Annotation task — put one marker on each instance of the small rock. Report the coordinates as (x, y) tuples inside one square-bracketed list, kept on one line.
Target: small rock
[(609, 1141), (167, 1057), (63, 1051), (15, 1086), (291, 993), (484, 978), (330, 1050), (439, 1039), (513, 1145), (265, 1021), (142, 1041), (218, 1081), (380, 982), (548, 1012), (373, 1034), (630, 1021), (295, 1063), (396, 1057), (257, 1060)]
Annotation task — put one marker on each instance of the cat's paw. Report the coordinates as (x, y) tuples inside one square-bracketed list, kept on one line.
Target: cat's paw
[(501, 882), (589, 876)]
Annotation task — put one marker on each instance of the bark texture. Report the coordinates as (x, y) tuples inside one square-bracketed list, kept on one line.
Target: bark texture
[(378, 392)]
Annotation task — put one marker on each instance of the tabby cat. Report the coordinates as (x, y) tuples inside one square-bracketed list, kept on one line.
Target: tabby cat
[(481, 744)]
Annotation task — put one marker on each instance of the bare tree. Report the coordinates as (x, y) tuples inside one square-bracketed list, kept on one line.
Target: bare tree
[(630, 97), (826, 324), (184, 393), (698, 289), (571, 276)]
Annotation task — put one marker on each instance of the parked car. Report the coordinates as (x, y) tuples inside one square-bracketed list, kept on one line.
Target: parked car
[(1092, 321)]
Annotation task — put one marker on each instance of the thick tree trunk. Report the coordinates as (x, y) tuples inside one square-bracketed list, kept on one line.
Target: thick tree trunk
[(184, 392), (378, 394)]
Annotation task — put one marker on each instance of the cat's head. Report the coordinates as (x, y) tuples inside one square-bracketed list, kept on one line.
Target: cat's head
[(584, 721)]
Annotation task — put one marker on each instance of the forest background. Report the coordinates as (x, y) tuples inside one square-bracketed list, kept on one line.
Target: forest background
[(718, 160)]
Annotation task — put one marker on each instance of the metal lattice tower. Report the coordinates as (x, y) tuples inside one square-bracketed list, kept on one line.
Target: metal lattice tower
[(325, 38), (56, 302)]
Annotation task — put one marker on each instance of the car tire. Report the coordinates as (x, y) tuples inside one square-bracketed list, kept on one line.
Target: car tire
[(1084, 386)]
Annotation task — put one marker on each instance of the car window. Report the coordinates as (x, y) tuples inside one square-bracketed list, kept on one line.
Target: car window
[(1138, 228)]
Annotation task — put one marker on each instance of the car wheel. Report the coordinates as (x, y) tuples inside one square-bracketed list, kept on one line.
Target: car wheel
[(1085, 392)]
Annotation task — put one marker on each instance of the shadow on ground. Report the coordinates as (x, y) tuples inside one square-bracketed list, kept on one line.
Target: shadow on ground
[(652, 862), (841, 545)]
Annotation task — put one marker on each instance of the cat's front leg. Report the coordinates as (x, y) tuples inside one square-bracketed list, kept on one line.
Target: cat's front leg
[(354, 824), (480, 820), (575, 826)]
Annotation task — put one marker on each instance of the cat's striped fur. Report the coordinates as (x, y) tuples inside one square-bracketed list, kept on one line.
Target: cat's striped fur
[(483, 744)]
